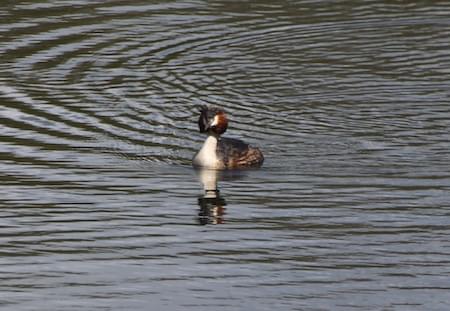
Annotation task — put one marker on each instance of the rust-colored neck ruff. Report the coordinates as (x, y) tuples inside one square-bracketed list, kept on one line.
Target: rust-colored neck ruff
[(220, 123)]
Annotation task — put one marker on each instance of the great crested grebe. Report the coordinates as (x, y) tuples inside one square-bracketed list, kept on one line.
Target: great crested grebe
[(222, 153)]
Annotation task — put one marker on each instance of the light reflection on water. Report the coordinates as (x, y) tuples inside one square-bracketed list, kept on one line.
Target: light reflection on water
[(101, 209)]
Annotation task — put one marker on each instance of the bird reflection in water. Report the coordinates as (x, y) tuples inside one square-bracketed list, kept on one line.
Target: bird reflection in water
[(212, 205)]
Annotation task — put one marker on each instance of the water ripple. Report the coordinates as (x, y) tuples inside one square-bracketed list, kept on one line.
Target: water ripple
[(98, 109)]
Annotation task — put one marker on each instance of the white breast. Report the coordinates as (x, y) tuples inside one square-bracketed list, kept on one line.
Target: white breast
[(207, 156)]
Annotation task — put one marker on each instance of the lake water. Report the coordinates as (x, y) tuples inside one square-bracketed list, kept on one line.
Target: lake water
[(101, 210)]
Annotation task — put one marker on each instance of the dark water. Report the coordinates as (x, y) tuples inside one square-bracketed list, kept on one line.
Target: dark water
[(100, 209)]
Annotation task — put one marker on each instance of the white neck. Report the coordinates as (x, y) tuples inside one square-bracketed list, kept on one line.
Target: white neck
[(207, 156)]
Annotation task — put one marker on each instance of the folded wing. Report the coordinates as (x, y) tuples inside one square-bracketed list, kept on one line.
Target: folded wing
[(234, 153)]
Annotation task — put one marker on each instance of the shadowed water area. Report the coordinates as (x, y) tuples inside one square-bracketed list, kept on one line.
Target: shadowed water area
[(101, 210)]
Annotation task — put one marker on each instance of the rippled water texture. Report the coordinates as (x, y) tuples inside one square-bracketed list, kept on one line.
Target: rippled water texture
[(101, 210)]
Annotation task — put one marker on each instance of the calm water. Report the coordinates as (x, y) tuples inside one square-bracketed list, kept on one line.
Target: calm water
[(101, 210)]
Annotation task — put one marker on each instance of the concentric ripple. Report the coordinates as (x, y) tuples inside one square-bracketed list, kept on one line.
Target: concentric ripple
[(349, 102)]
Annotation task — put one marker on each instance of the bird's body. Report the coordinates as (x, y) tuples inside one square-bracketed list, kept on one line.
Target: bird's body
[(223, 153)]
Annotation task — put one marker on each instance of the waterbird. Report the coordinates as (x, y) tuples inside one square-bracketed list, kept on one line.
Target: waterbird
[(222, 153)]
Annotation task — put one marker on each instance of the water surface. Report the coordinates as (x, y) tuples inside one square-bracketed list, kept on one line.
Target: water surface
[(101, 210)]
